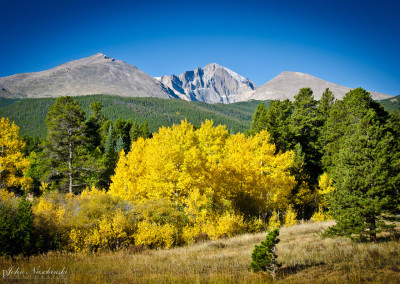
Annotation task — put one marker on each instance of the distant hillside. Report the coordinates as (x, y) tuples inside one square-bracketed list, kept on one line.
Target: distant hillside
[(287, 84), (392, 104), (30, 114)]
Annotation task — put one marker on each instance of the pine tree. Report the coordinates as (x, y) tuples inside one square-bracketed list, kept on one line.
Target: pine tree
[(144, 130), (342, 117), (65, 137), (325, 103), (366, 180), (264, 256), (277, 124), (119, 144), (258, 121), (93, 126), (305, 125), (109, 144), (109, 159), (122, 129), (135, 132)]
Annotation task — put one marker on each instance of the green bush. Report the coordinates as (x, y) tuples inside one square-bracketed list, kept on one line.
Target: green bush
[(16, 227)]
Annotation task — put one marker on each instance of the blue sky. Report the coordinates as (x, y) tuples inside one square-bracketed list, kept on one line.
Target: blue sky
[(351, 43)]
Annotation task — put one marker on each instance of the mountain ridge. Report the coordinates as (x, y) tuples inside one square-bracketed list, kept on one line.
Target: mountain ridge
[(91, 75), (213, 83), (287, 84)]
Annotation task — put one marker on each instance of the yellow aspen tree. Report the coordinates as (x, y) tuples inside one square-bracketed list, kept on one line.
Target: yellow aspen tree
[(274, 222), (274, 170), (13, 165), (324, 189), (290, 217), (254, 175), (219, 168)]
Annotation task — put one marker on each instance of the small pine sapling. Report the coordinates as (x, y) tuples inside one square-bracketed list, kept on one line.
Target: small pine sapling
[(264, 256)]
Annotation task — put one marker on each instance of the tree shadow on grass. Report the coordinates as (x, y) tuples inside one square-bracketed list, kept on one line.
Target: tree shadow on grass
[(392, 236), (293, 269)]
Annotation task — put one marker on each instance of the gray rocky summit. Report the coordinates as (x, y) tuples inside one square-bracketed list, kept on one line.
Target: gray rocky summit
[(211, 84)]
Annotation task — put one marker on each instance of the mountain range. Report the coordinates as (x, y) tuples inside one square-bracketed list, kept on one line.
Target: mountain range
[(100, 74)]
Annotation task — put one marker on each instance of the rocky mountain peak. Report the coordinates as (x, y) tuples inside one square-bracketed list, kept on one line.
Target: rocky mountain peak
[(212, 84)]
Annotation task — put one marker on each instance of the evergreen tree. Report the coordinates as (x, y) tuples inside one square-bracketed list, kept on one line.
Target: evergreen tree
[(16, 227), (275, 119), (119, 144), (24, 233), (135, 132), (324, 106), (277, 123), (65, 141), (343, 115), (325, 103), (93, 126), (144, 130), (122, 129), (258, 121), (109, 159), (366, 180), (304, 125), (264, 256), (109, 144)]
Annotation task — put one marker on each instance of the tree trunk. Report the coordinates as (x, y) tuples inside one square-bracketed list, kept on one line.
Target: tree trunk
[(371, 221), (70, 166)]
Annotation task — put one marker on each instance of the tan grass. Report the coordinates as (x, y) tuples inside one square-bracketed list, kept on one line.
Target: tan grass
[(306, 256)]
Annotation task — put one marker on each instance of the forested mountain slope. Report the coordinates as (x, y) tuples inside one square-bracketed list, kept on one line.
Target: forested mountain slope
[(391, 104), (30, 114)]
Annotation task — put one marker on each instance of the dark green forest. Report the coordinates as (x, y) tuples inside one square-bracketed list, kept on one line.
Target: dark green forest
[(30, 114)]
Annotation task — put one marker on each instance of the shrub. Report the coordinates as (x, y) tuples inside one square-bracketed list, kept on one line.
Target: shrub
[(256, 225), (16, 227), (320, 216), (154, 235)]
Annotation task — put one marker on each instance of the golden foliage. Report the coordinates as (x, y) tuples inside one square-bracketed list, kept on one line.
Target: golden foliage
[(180, 186), (320, 216), (155, 236), (274, 221), (290, 217), (5, 195), (13, 165), (195, 167), (305, 195), (325, 188)]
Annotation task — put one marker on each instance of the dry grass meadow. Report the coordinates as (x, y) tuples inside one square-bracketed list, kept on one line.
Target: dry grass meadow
[(305, 255)]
